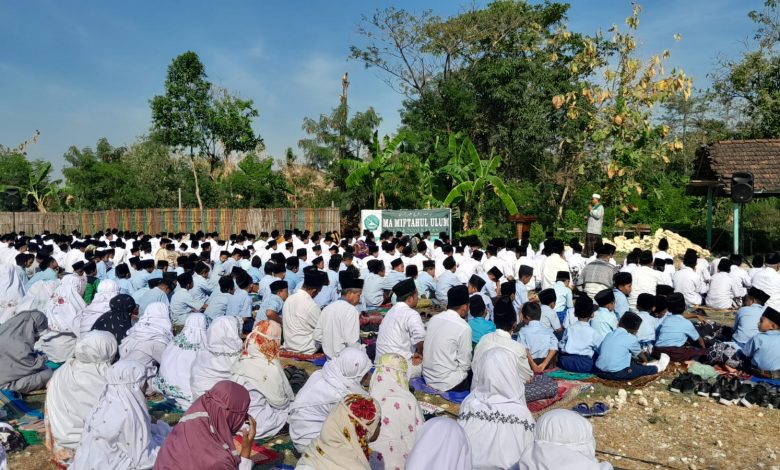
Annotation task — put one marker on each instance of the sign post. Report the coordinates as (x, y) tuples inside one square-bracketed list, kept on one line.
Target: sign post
[(408, 222)]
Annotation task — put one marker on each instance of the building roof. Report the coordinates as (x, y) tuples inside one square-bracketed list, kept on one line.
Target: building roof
[(716, 162)]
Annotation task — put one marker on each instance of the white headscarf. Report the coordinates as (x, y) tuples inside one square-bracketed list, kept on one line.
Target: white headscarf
[(65, 306), (441, 443), (148, 338), (38, 296), (107, 290), (223, 346), (75, 387), (118, 433), (11, 291), (564, 441), (401, 414), (173, 379), (496, 413)]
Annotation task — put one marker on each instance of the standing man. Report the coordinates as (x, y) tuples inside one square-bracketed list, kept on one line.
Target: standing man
[(595, 219)]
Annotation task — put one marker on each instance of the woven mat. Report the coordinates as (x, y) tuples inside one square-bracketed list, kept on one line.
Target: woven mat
[(639, 382), (568, 390), (316, 359), (259, 455)]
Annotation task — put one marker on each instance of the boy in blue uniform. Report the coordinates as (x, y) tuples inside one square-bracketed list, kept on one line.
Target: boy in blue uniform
[(623, 284), (537, 338), (475, 286), (748, 317), (580, 340), (564, 301), (271, 308), (763, 350), (425, 282), (604, 320), (645, 304), (547, 300), (617, 351), (674, 332), (480, 326)]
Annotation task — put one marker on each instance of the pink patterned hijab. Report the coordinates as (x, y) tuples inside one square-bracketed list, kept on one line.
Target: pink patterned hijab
[(203, 439)]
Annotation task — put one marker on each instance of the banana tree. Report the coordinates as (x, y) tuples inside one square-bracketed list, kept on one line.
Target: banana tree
[(39, 189), (473, 178), (374, 172)]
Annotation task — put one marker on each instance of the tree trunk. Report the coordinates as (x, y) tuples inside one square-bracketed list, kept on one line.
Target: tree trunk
[(465, 221), (563, 198), (197, 185)]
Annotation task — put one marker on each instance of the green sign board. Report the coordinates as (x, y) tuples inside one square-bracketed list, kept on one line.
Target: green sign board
[(408, 222)]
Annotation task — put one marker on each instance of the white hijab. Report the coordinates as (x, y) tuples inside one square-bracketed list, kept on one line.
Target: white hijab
[(107, 290), (214, 363), (118, 433), (173, 379), (441, 443), (75, 387), (11, 291), (496, 413), (564, 441), (38, 296), (147, 339), (337, 378), (65, 306)]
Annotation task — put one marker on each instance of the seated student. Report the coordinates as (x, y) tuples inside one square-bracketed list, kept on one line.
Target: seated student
[(616, 353), (447, 346), (215, 361), (563, 440), (339, 323), (723, 289), (441, 443), (763, 350), (480, 326), (564, 300), (149, 337), (373, 287), (539, 339), (425, 282), (494, 276), (447, 280), (604, 320), (645, 303), (271, 308), (476, 288), (580, 341), (183, 302), (549, 319), (749, 316), (524, 274), (21, 368), (622, 289), (173, 377), (675, 331)]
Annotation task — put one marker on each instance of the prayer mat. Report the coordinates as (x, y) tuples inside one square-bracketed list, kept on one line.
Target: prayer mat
[(164, 406), (17, 409), (418, 383), (639, 382), (566, 375), (774, 382), (259, 455), (568, 390), (316, 359), (372, 318)]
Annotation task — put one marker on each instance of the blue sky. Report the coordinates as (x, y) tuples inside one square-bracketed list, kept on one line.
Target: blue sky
[(81, 70)]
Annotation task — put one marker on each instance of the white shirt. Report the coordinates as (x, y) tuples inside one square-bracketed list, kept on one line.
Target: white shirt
[(400, 331), (338, 327), (768, 280), (300, 315), (722, 291), (688, 283), (447, 351), (502, 339), (552, 265), (741, 280), (467, 268), (644, 281)]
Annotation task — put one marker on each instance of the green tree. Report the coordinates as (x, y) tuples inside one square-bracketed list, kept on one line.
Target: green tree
[(202, 121), (333, 136), (255, 184), (473, 179), (374, 172)]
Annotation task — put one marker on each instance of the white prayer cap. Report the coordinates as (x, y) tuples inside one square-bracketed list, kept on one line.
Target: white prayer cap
[(596, 196)]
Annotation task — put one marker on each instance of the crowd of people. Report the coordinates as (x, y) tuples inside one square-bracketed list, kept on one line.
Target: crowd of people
[(104, 321)]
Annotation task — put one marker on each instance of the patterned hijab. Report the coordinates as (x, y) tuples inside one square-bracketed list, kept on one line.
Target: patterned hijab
[(119, 319), (259, 364), (343, 442)]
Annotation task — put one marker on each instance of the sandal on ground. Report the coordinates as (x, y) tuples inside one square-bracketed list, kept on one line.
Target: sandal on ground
[(599, 409), (583, 410)]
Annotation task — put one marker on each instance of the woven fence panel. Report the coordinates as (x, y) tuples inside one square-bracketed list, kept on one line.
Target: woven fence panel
[(224, 221)]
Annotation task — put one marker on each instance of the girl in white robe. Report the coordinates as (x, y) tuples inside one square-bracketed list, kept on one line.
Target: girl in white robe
[(74, 390), (441, 443), (147, 339), (215, 362), (173, 379), (11, 291), (494, 415), (324, 389), (564, 441), (62, 314), (119, 434), (107, 290), (261, 373)]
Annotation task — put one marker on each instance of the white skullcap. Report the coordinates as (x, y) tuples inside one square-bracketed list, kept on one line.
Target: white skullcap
[(596, 196)]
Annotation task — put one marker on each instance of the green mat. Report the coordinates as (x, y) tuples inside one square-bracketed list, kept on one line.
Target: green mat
[(566, 375)]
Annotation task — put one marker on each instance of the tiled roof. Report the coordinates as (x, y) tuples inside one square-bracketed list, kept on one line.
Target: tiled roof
[(716, 162)]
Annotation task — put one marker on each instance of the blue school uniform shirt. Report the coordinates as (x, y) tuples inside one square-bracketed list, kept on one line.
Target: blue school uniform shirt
[(446, 281), (646, 332), (538, 339), (202, 288), (563, 297), (746, 324), (182, 304), (521, 296), (125, 286), (217, 305), (293, 281), (255, 273), (239, 304), (140, 279), (150, 297), (489, 288), (273, 302), (674, 332), (550, 318), (604, 322), (764, 350), (616, 350), (621, 303), (392, 278), (101, 270), (480, 327), (581, 339), (426, 285), (373, 290), (264, 287), (47, 274)]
